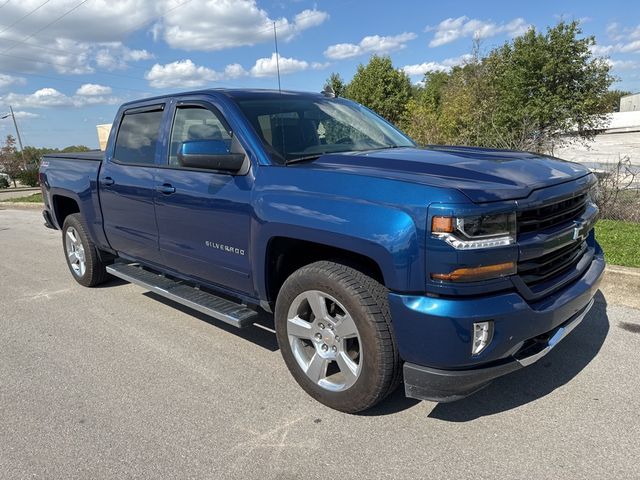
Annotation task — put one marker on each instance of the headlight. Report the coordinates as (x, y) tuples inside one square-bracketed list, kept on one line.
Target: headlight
[(477, 231)]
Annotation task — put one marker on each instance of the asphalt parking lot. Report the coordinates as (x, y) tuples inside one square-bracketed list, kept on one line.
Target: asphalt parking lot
[(113, 382)]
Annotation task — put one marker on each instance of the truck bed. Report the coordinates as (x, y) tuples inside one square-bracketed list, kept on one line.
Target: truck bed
[(92, 155)]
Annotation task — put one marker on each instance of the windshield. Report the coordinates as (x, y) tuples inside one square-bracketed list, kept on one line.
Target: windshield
[(305, 127)]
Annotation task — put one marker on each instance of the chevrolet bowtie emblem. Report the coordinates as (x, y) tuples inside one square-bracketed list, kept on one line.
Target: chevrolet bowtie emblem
[(578, 230)]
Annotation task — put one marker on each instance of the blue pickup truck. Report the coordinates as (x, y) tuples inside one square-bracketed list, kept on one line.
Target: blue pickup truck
[(381, 262)]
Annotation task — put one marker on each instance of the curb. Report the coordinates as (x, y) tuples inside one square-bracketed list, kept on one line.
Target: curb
[(20, 189), (22, 205), (619, 270)]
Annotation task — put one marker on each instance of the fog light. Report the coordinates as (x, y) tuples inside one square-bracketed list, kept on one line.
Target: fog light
[(482, 336)]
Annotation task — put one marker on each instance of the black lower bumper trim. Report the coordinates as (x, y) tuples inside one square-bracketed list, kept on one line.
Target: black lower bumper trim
[(427, 383)]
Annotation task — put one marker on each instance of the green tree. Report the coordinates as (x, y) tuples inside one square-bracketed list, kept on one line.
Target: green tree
[(534, 93), (382, 88), (547, 85), (337, 84), (612, 99), (10, 161)]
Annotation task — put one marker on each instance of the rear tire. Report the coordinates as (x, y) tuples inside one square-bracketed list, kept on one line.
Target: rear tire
[(81, 253), (334, 331)]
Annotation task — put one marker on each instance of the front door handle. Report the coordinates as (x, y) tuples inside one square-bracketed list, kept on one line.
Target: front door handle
[(108, 181), (166, 188)]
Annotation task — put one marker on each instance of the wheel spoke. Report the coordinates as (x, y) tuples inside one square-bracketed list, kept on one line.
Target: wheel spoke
[(348, 368), (71, 235), (346, 327), (318, 304), (317, 368), (299, 328)]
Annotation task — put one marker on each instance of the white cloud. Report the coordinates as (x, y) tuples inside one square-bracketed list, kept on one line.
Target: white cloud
[(235, 70), (444, 66), (90, 89), (183, 73), (604, 50), (23, 114), (452, 29), (115, 55), (91, 37), (6, 80), (371, 44), (617, 32), (50, 97), (265, 67), (229, 24), (623, 64)]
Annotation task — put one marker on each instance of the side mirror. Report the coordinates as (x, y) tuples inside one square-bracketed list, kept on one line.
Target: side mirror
[(210, 155)]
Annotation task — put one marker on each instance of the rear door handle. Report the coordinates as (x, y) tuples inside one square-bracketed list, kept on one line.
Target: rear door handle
[(166, 188), (108, 181)]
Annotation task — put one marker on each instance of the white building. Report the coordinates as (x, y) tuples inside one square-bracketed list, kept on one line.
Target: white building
[(621, 137), (630, 103)]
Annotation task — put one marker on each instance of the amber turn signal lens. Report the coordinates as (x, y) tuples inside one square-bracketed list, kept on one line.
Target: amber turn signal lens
[(477, 273), (442, 225)]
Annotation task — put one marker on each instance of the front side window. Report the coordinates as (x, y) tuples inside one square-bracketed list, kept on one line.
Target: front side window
[(196, 123), (305, 127), (137, 138)]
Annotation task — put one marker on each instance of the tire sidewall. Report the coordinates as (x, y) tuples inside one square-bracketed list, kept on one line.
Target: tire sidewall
[(368, 382), (73, 221)]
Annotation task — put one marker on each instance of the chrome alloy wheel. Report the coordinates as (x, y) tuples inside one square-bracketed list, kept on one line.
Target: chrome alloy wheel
[(324, 340), (75, 252)]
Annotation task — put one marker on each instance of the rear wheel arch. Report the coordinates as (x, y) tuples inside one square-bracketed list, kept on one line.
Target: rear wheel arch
[(63, 206)]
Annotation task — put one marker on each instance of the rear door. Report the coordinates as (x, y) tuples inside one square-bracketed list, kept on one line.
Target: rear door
[(204, 216), (127, 184)]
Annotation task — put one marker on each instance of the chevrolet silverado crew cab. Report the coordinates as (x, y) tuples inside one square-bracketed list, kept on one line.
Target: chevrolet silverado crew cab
[(381, 262)]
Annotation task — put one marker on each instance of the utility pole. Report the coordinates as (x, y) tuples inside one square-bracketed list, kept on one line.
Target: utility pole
[(15, 124)]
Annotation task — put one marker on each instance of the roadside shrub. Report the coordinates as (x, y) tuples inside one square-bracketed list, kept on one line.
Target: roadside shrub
[(619, 192), (4, 183), (29, 177)]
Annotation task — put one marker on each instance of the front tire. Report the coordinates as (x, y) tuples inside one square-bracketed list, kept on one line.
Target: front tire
[(334, 331), (81, 253)]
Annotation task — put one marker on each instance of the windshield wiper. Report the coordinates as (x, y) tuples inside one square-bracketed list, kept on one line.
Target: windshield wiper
[(304, 159)]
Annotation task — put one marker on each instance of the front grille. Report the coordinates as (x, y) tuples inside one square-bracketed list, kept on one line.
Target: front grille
[(550, 215), (545, 267)]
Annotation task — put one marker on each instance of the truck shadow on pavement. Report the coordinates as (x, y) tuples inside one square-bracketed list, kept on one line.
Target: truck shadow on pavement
[(261, 333), (554, 370)]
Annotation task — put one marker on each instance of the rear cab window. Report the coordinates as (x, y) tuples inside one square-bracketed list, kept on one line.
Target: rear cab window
[(137, 138)]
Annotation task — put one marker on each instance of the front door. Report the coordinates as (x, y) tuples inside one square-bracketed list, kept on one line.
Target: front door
[(127, 185), (204, 215)]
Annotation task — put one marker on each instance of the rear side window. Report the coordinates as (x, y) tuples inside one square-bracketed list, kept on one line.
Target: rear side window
[(138, 137)]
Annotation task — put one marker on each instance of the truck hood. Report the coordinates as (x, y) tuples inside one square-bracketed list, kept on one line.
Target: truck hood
[(483, 175)]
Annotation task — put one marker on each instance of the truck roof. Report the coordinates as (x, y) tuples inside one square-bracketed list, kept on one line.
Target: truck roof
[(236, 93)]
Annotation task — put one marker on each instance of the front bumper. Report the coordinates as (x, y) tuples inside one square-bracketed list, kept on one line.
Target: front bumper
[(438, 385), (434, 334)]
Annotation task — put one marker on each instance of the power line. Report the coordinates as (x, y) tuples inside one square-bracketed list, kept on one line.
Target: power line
[(69, 80), (25, 16), (58, 64), (47, 25), (6, 1)]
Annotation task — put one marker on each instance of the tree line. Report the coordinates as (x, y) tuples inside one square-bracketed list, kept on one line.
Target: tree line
[(23, 166), (535, 92)]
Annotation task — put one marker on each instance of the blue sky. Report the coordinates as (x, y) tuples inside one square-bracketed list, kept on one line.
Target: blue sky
[(66, 65)]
